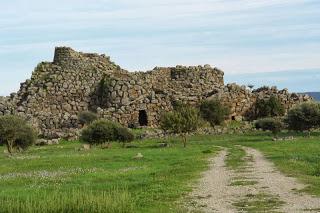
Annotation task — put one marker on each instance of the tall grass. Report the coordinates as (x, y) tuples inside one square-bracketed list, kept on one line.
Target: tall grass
[(78, 200)]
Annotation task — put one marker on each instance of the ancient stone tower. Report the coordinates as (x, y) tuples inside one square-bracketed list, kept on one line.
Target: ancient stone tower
[(76, 82)]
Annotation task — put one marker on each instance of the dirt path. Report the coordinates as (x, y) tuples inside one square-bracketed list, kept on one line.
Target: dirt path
[(256, 187)]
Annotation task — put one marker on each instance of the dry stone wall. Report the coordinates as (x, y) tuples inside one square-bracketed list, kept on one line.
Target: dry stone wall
[(76, 82)]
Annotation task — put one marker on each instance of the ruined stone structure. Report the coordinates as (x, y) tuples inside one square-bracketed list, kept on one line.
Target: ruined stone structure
[(76, 82)]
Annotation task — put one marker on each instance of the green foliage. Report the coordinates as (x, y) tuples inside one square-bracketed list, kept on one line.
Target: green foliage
[(124, 135), (304, 117), (271, 124), (271, 107), (260, 89), (102, 131), (103, 90), (182, 120), (87, 117), (15, 133), (99, 132), (214, 112)]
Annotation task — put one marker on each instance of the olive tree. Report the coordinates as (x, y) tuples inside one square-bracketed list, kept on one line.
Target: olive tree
[(182, 120), (304, 117), (15, 133), (214, 112)]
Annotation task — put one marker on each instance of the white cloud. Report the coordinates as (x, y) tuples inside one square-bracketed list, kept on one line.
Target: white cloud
[(235, 35)]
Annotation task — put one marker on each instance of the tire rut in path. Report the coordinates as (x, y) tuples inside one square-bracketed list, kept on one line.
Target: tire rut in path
[(276, 183), (215, 192)]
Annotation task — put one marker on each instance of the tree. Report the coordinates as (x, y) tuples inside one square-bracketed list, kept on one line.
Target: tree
[(271, 124), (214, 112), (15, 133), (182, 120), (304, 117), (251, 86), (271, 107)]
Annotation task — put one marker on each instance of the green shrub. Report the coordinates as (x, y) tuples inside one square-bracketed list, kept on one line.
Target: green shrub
[(15, 133), (182, 120), (271, 107), (271, 124), (124, 135), (214, 112), (87, 117), (102, 131), (304, 117), (99, 132)]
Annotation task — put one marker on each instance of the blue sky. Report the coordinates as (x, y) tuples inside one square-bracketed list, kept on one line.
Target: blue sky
[(238, 36)]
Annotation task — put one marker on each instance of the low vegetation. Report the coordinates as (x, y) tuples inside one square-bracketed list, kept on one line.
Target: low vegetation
[(183, 120), (103, 131), (87, 117), (271, 124), (214, 112)]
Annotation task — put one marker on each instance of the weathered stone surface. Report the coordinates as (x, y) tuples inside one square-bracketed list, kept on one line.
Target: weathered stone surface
[(59, 90)]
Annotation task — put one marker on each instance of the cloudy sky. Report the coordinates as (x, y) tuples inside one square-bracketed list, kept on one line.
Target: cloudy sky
[(238, 36)]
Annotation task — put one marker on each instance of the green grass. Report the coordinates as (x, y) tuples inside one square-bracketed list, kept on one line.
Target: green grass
[(47, 177), (51, 176), (235, 158), (258, 203)]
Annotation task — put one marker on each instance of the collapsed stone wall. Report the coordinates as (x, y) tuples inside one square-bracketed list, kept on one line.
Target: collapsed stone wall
[(242, 100), (74, 82), (6, 106)]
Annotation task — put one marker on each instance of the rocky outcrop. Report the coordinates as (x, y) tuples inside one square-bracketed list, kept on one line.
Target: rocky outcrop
[(76, 82)]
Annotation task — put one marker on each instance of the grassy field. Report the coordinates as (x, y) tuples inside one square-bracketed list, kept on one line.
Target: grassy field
[(60, 177)]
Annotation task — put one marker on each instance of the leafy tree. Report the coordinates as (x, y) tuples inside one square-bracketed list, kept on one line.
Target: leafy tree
[(271, 124), (271, 107), (214, 112), (182, 120), (304, 117), (15, 133), (86, 118)]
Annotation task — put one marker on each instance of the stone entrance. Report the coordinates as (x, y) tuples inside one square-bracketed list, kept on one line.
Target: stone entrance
[(143, 118)]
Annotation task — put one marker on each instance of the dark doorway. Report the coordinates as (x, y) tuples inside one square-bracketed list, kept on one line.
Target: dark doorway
[(143, 118), (233, 118)]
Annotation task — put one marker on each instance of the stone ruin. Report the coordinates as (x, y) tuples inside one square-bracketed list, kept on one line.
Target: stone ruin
[(75, 82)]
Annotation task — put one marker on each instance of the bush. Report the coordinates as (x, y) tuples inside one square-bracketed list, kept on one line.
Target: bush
[(271, 124), (87, 117), (271, 107), (214, 112), (15, 133), (124, 135), (102, 131), (99, 132), (304, 117), (182, 120)]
